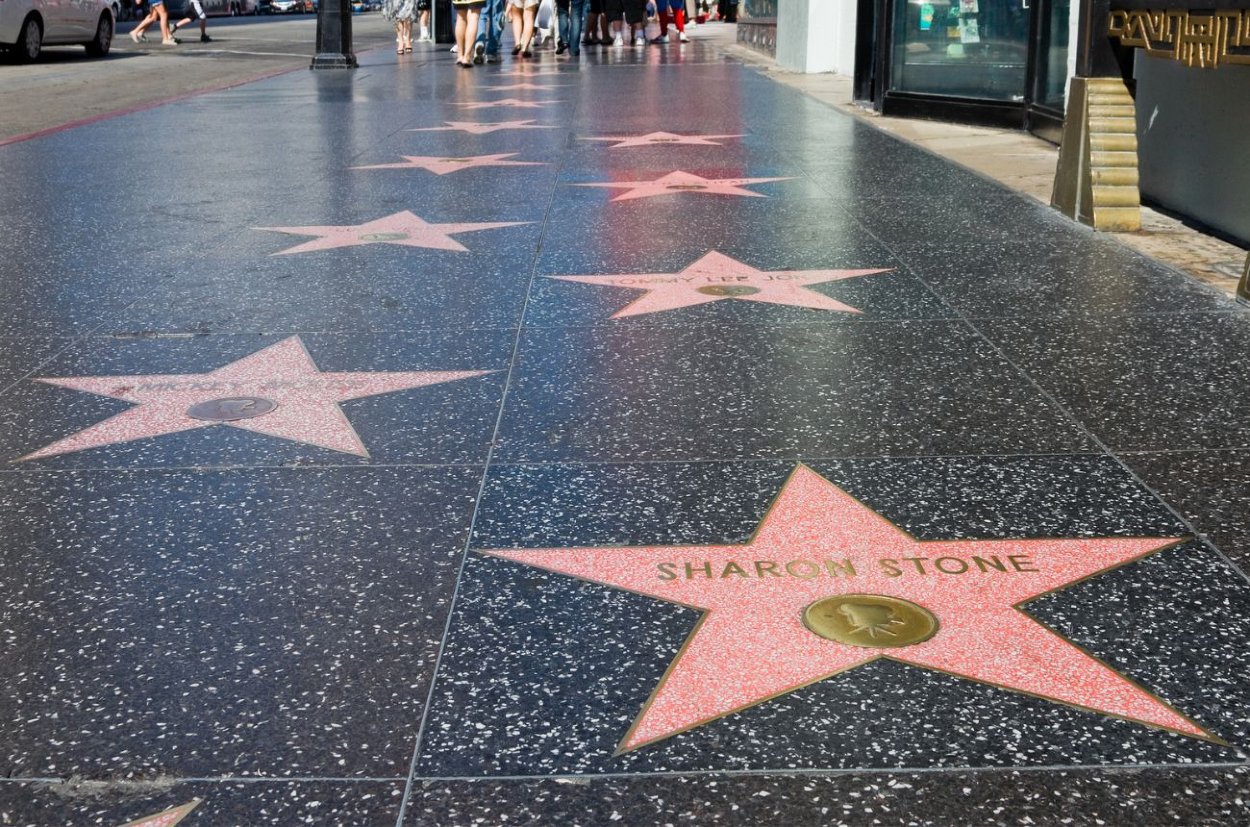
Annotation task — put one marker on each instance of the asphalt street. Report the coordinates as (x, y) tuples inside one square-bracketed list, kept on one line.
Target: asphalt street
[(65, 86)]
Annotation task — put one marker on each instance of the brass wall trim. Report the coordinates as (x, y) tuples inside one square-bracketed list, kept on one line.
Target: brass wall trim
[(1204, 41), (1096, 181), (1243, 289)]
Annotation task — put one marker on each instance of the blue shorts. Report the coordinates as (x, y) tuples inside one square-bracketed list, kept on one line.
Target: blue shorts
[(670, 5)]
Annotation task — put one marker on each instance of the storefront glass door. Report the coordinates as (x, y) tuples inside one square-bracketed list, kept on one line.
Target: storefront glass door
[(962, 48), (1050, 68)]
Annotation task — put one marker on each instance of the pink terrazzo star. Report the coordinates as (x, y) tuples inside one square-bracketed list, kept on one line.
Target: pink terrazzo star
[(662, 139), (678, 182), (481, 128), (166, 818), (277, 391), (442, 165), (508, 102), (402, 228), (717, 277), (752, 643)]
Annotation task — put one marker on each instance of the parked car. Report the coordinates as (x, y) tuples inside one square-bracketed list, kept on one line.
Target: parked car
[(289, 6), (26, 26)]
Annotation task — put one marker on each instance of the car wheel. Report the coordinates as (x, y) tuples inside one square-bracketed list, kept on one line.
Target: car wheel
[(30, 41), (99, 45)]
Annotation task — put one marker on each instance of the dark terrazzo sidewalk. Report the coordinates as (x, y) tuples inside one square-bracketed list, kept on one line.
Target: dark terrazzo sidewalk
[(221, 610)]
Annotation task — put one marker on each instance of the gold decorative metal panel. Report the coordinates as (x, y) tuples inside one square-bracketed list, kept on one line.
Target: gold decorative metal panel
[(1203, 40)]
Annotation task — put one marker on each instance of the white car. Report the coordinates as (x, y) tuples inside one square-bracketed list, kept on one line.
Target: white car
[(26, 26)]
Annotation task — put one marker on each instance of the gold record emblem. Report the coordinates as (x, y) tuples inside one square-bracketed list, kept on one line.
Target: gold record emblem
[(729, 290), (873, 621)]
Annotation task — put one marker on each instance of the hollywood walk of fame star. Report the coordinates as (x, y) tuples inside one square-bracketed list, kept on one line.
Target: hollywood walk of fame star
[(166, 818), (402, 228), (278, 391), (481, 128), (442, 165), (679, 182), (826, 585), (717, 277), (508, 102), (662, 139)]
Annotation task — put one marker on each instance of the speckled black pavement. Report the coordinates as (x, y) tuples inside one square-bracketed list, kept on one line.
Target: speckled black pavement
[(248, 488)]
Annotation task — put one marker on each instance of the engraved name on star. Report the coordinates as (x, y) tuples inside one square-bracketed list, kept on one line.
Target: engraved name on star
[(512, 103), (402, 228), (662, 139), (482, 128), (679, 183), (444, 164), (826, 585), (717, 277), (278, 391)]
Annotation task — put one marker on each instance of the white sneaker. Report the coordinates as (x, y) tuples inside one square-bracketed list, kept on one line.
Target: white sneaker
[(682, 37), (640, 41), (425, 36), (618, 40)]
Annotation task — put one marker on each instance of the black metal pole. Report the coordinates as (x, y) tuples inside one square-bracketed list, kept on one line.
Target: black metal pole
[(334, 36)]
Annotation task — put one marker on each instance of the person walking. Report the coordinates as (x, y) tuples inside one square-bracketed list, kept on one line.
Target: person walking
[(489, 32), (523, 13), (401, 13), (572, 17), (671, 11), (199, 15), (157, 12), (634, 13), (594, 15), (467, 14), (423, 13)]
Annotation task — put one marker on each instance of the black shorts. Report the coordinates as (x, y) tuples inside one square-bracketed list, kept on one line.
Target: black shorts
[(634, 11), (423, 5)]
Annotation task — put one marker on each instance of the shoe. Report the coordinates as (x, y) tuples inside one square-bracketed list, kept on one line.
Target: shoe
[(681, 36), (575, 52), (407, 50), (562, 48), (640, 41), (173, 27), (492, 58), (173, 41), (479, 53), (618, 41), (527, 53), (206, 39), (660, 40), (425, 36), (516, 50), (136, 37)]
